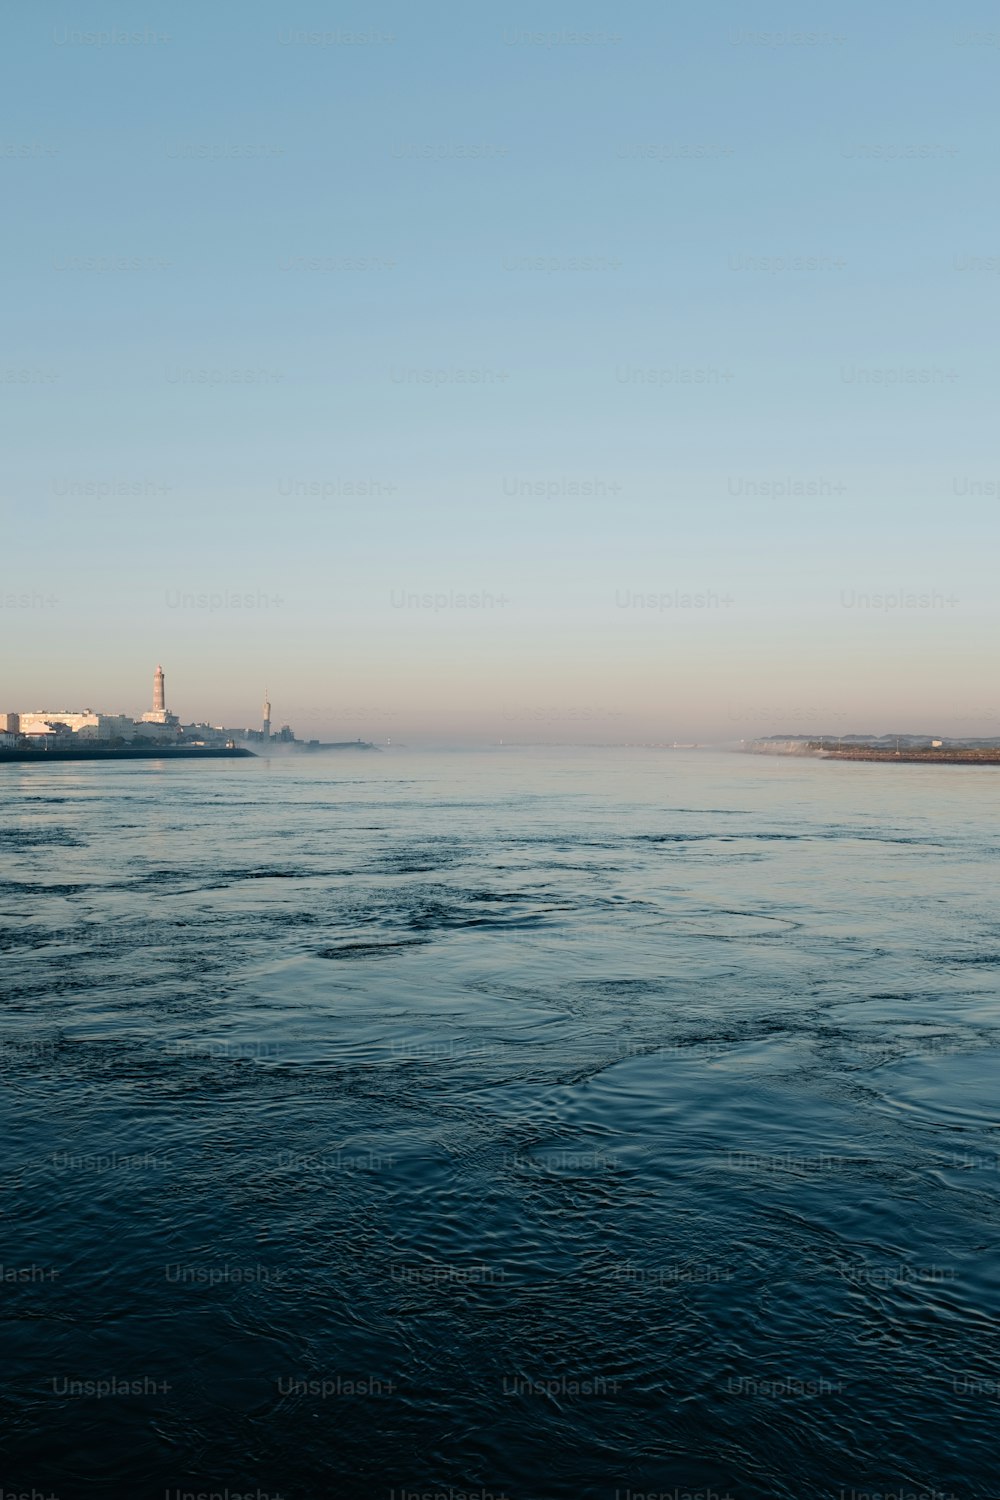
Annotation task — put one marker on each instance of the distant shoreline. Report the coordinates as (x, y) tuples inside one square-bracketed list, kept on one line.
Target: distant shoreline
[(128, 752), (917, 757), (914, 755)]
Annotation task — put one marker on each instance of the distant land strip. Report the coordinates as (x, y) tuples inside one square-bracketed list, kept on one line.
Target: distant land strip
[(942, 757), (130, 752), (887, 749)]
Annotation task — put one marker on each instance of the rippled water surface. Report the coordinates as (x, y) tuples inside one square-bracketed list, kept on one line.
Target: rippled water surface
[(539, 1123)]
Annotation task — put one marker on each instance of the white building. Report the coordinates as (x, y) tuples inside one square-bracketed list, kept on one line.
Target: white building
[(147, 729), (109, 727), (86, 723), (54, 721)]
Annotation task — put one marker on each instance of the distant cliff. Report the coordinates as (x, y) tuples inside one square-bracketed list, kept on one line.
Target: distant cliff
[(776, 746)]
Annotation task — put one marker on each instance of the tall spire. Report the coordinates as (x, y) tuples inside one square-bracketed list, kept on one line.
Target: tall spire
[(266, 727), (158, 714)]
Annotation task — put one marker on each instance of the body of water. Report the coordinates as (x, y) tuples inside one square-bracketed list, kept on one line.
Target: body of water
[(538, 1123)]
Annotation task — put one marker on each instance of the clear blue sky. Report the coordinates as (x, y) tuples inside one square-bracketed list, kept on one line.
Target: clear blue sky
[(479, 264)]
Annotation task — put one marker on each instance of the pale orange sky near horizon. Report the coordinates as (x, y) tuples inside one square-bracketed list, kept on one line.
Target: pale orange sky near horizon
[(720, 675)]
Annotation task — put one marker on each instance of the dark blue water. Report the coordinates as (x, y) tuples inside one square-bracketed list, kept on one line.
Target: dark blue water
[(546, 1124)]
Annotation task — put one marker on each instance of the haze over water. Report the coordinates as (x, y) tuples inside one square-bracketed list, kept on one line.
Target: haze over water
[(575, 1121)]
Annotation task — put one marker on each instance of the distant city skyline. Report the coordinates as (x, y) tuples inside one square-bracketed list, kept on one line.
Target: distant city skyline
[(564, 320), (50, 721)]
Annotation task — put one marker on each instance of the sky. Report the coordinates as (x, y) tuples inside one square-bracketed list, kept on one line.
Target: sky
[(575, 372)]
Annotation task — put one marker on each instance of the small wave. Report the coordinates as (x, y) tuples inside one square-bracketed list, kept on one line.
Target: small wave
[(39, 838), (988, 960), (370, 950)]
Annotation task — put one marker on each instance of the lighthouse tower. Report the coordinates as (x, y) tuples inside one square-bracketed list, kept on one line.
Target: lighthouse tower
[(159, 714)]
